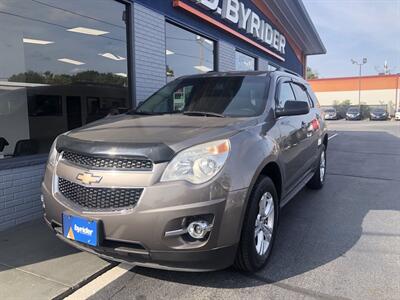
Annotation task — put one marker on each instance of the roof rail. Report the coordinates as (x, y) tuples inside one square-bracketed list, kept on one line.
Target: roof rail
[(282, 69)]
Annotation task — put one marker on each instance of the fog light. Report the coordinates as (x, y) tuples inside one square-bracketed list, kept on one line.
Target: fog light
[(198, 229)]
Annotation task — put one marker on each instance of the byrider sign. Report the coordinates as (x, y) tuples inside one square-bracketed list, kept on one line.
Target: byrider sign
[(247, 21)]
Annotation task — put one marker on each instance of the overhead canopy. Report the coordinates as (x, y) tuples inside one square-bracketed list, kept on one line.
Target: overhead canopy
[(295, 19)]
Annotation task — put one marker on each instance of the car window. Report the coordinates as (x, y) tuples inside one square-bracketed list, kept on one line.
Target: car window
[(301, 94), (353, 110), (285, 94)]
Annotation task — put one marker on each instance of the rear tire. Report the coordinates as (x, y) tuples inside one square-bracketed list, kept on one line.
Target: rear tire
[(259, 227), (318, 180)]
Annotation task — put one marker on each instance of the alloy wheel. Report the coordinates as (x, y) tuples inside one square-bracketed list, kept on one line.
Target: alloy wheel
[(322, 166), (264, 224)]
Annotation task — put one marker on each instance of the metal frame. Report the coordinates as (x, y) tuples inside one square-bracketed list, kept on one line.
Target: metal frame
[(130, 50)]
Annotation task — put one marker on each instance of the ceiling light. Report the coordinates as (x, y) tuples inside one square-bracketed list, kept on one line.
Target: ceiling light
[(36, 42), (121, 74), (169, 52), (112, 56), (71, 61), (203, 68), (85, 30)]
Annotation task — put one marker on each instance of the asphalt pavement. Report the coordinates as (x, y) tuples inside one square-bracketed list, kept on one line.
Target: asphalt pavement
[(342, 242)]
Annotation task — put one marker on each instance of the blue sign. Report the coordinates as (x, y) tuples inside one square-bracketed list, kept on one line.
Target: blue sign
[(80, 229)]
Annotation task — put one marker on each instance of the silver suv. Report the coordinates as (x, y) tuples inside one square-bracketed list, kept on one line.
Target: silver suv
[(195, 177)]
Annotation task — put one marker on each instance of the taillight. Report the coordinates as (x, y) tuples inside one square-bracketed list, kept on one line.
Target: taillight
[(315, 124)]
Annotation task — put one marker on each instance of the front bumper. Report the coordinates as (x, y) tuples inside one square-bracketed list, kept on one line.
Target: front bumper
[(138, 236), (191, 261), (353, 117), (378, 118)]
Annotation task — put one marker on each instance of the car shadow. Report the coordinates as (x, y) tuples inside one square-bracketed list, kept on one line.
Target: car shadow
[(317, 227)]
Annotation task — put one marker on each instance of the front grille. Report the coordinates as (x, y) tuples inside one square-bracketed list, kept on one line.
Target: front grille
[(108, 162), (99, 198)]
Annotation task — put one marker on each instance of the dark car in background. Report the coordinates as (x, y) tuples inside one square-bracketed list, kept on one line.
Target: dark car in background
[(378, 114), (353, 113), (331, 114)]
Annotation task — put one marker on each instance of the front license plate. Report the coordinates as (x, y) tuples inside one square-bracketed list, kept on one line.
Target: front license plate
[(80, 229)]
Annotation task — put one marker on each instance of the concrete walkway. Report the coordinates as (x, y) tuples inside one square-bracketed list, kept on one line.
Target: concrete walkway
[(34, 264)]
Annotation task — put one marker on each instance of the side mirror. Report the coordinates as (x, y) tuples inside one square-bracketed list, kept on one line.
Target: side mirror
[(293, 108)]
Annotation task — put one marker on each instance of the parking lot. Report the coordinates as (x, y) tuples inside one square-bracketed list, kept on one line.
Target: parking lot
[(342, 242)]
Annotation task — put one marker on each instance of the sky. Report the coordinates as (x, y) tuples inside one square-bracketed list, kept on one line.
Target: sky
[(353, 29)]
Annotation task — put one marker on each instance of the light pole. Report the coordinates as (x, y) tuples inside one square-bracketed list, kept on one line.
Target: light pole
[(354, 62)]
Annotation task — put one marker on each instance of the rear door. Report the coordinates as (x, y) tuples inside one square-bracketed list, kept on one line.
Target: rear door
[(310, 124)]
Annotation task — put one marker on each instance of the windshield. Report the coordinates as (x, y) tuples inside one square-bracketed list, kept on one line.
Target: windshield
[(330, 110), (378, 111), (233, 96), (353, 110)]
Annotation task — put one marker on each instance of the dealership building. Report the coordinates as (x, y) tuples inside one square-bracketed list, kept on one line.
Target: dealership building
[(373, 91), (64, 64)]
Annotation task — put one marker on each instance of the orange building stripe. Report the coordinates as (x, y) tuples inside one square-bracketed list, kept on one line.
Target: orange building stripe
[(178, 3), (387, 82)]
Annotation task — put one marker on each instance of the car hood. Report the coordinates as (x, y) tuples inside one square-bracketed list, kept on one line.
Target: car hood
[(156, 137)]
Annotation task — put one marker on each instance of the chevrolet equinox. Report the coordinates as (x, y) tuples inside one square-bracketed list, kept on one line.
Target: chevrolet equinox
[(194, 178)]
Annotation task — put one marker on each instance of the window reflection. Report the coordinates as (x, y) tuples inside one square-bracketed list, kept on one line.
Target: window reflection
[(187, 53), (56, 57), (244, 62)]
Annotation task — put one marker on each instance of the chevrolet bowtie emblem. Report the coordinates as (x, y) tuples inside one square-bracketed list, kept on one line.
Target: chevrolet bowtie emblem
[(88, 178)]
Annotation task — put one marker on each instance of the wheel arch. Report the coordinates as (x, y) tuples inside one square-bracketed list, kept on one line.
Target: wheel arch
[(273, 171)]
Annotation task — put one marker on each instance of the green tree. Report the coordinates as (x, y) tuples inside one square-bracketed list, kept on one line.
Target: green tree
[(311, 74), (65, 79)]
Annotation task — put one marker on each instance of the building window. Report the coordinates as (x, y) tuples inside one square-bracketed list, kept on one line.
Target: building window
[(63, 64), (272, 68), (187, 52), (244, 62)]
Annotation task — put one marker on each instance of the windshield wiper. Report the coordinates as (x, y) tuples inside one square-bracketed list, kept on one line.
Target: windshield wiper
[(139, 112), (203, 113), (149, 113)]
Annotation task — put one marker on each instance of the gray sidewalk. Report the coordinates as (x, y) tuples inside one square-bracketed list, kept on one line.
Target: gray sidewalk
[(34, 264)]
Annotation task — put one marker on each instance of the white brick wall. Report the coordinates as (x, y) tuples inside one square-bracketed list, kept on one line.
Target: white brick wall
[(149, 37), (20, 195), (226, 57)]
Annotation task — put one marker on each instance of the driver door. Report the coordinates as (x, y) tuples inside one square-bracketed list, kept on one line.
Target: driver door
[(293, 135)]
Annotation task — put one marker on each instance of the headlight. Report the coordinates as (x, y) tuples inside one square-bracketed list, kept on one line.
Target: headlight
[(53, 155), (198, 164)]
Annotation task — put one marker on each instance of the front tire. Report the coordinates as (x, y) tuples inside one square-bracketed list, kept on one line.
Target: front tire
[(259, 227), (318, 180)]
